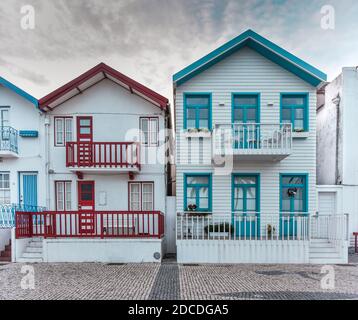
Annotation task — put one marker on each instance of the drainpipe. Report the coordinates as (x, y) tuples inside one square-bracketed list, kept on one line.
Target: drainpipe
[(337, 102), (47, 160)]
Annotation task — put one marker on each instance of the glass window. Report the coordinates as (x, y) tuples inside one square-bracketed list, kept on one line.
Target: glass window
[(5, 188), (149, 128), (294, 111), (245, 193), (197, 192), (293, 193), (63, 131), (63, 195), (141, 196), (197, 112)]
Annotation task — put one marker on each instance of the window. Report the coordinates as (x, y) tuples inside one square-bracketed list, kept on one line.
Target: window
[(197, 111), (141, 196), (149, 127), (63, 195), (5, 123), (63, 131), (197, 192), (5, 188), (294, 110), (294, 193), (245, 193)]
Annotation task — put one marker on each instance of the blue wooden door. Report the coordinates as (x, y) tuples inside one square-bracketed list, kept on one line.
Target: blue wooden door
[(245, 118), (246, 205), (28, 191), (293, 203)]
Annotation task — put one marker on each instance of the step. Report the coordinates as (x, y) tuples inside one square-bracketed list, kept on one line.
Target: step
[(35, 244), (34, 249), (323, 249), (30, 255), (321, 245), (8, 247), (29, 260), (327, 261), (5, 254), (5, 259)]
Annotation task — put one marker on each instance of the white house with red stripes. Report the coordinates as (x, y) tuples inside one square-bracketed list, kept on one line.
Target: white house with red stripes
[(107, 178)]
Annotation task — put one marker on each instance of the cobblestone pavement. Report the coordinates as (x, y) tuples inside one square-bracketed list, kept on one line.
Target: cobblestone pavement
[(172, 281)]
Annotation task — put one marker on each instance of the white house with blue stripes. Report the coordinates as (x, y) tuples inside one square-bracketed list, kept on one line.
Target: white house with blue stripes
[(246, 159)]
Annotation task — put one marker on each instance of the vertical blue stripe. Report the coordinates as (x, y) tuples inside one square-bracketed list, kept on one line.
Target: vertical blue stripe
[(30, 190)]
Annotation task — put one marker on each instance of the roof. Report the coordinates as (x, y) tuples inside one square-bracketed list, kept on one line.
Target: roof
[(7, 84), (92, 77), (263, 46)]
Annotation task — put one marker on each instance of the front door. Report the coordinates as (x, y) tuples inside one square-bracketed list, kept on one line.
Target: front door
[(85, 139), (246, 205), (86, 207), (293, 203), (245, 119), (28, 191)]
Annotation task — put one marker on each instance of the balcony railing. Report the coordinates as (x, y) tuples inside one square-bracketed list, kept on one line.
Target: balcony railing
[(124, 155), (90, 224), (263, 226), (8, 139), (7, 213), (253, 139)]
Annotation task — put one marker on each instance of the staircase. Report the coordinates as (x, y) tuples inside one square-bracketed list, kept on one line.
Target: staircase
[(33, 252), (324, 252), (5, 256)]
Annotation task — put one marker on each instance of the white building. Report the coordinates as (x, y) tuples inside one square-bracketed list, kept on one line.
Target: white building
[(21, 155), (106, 176), (337, 167), (246, 159)]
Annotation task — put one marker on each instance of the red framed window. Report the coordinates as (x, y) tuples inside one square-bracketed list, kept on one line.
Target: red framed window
[(149, 127), (63, 131), (141, 196), (63, 195)]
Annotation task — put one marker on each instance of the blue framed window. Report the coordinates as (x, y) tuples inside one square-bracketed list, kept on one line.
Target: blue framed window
[(197, 111), (294, 109), (245, 193), (197, 192), (293, 193)]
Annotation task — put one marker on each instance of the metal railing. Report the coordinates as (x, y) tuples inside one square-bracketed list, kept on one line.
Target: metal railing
[(90, 224), (253, 138), (250, 226), (8, 139), (7, 213)]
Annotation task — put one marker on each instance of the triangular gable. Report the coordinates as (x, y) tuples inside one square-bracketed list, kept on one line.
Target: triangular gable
[(263, 46), (7, 84), (95, 75)]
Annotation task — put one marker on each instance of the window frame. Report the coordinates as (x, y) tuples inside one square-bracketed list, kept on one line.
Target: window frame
[(64, 132), (197, 108), (140, 183), (197, 200), (305, 106), (305, 176), (65, 183), (7, 189), (150, 143), (256, 185)]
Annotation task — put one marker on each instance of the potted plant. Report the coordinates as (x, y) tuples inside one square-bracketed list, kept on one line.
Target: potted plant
[(271, 230), (219, 229), (192, 207)]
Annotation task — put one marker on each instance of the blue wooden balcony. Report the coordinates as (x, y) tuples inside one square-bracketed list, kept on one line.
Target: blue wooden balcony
[(8, 142)]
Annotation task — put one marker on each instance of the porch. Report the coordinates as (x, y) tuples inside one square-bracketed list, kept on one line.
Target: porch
[(89, 236), (262, 238)]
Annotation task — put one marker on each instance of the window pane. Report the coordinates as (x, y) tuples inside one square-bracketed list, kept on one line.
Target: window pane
[(245, 180), (293, 180), (286, 205), (238, 115), (197, 180), (251, 114), (204, 113), (289, 101), (204, 192), (298, 113), (251, 193), (68, 123), (286, 114), (238, 193), (59, 131), (197, 101), (238, 204), (251, 204), (190, 124), (154, 131), (203, 124), (245, 101), (298, 205), (85, 122), (85, 130), (190, 192), (298, 125), (203, 203)]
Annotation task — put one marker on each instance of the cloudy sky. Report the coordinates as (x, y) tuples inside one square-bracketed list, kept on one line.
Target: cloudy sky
[(150, 40)]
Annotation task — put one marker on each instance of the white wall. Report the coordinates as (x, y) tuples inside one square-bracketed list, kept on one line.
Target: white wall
[(25, 116), (5, 236), (99, 250), (248, 71)]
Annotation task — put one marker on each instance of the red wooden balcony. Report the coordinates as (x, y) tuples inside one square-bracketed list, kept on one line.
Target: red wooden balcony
[(103, 156), (90, 224)]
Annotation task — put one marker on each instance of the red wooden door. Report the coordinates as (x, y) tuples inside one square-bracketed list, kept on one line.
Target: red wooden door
[(85, 139), (86, 207)]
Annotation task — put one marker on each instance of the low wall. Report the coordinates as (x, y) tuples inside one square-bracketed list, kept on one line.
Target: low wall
[(217, 251), (5, 236), (18, 246), (102, 250)]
